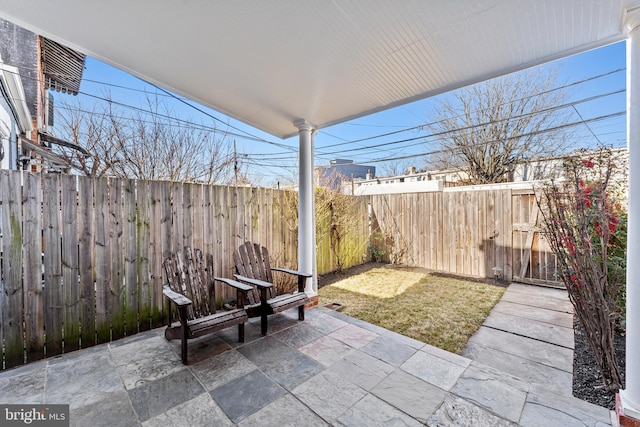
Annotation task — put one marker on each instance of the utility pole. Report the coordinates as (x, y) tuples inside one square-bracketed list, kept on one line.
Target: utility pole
[(235, 164)]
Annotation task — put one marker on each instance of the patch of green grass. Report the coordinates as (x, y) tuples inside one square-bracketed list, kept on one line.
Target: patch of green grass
[(440, 311)]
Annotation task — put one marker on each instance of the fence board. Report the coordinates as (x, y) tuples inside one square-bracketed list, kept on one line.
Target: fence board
[(70, 263), (177, 214), (158, 205), (166, 221), (436, 233), (86, 260), (208, 212), (218, 250), (103, 261), (116, 236), (482, 234), (506, 228), (198, 226), (53, 287), (143, 254), (185, 209), (12, 329), (131, 235), (32, 266), (215, 211)]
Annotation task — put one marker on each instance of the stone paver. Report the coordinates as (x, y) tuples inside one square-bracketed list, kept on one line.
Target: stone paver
[(390, 350), (526, 369), (563, 410), (287, 411), (527, 348), (114, 411), (410, 394), (138, 372), (326, 323), (222, 368), (433, 369), (328, 396), (265, 350), (350, 371), (154, 398), (493, 391), (299, 335), (82, 381), (534, 299), (456, 411), (354, 336), (246, 395), (529, 334), (132, 349), (330, 369), (371, 411), (292, 369), (326, 350), (199, 411), (542, 331), (559, 318), (538, 290), (26, 386)]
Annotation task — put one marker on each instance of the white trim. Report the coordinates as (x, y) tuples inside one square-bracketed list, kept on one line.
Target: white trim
[(5, 124), (11, 78)]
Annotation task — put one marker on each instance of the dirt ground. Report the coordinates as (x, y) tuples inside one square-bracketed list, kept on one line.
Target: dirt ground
[(587, 381)]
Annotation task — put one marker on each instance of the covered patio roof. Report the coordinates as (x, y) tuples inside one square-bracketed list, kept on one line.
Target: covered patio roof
[(270, 64), (291, 67)]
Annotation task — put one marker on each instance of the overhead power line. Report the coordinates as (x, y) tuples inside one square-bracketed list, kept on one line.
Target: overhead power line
[(422, 126), (444, 150), (424, 137), (243, 134), (279, 157)]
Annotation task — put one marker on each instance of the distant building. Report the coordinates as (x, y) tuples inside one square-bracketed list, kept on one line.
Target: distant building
[(410, 182), (553, 167), (341, 171), (527, 170)]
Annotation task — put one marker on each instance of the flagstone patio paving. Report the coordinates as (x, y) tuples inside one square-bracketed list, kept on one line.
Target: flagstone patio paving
[(330, 369)]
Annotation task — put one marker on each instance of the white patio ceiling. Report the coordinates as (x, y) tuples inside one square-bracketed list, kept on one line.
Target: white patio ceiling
[(270, 63)]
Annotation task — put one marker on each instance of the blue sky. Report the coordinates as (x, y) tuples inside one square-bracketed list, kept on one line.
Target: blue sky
[(268, 163)]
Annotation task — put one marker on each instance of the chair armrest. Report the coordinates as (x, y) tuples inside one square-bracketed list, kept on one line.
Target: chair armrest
[(178, 299), (235, 284), (293, 272), (256, 282)]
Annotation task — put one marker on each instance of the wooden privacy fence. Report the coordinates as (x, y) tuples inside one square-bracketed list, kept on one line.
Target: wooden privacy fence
[(466, 231), (80, 258)]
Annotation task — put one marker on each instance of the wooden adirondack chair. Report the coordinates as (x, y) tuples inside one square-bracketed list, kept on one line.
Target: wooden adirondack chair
[(191, 289), (253, 267)]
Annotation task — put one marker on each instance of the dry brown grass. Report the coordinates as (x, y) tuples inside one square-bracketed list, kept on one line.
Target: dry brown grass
[(440, 311)]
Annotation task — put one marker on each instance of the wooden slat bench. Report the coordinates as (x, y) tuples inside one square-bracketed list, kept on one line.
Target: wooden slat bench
[(191, 288)]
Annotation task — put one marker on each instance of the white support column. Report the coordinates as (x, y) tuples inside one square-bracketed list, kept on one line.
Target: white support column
[(306, 212), (630, 396)]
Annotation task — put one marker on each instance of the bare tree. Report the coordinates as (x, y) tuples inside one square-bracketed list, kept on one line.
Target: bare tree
[(396, 167), (487, 128), (154, 145)]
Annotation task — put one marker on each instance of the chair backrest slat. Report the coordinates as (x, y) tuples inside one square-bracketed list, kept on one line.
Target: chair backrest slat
[(252, 261), (189, 274)]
